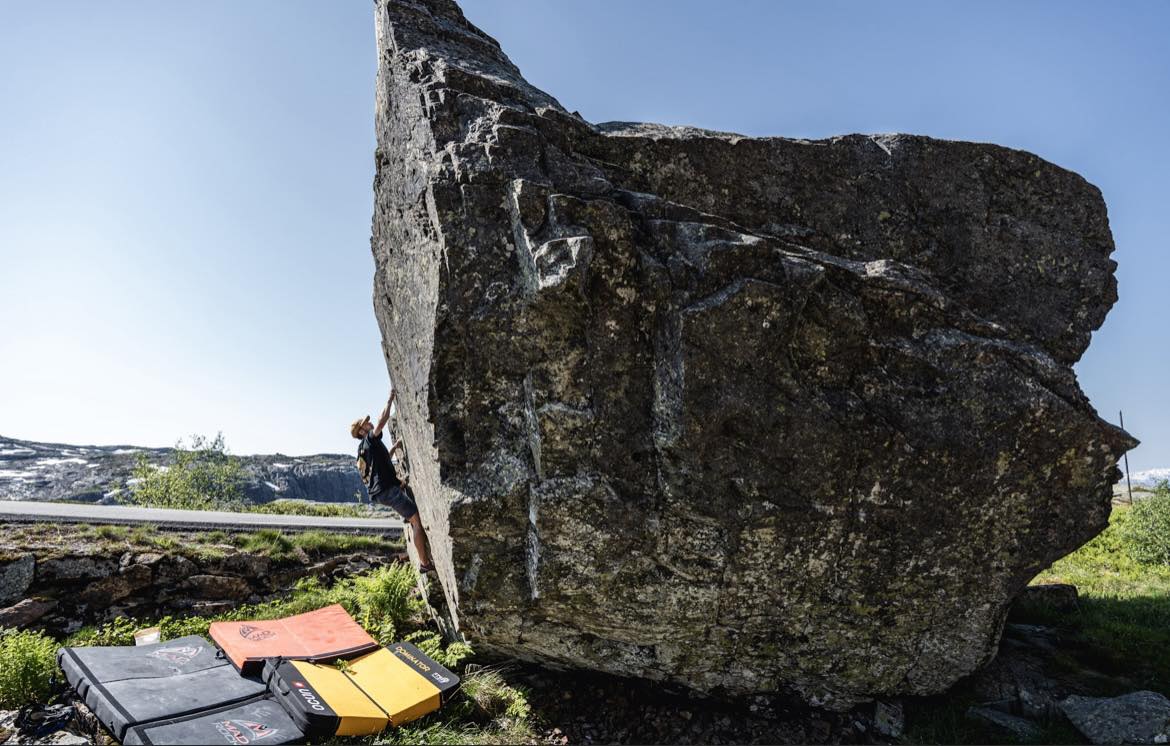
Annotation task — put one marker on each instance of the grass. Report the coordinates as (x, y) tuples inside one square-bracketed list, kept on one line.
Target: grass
[(111, 533), (281, 546), (315, 509), (1124, 614)]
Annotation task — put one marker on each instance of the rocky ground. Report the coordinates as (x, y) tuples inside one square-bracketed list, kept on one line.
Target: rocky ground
[(56, 471)]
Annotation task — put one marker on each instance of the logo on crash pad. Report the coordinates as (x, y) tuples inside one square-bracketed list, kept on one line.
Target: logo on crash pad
[(255, 634), (243, 731), (180, 655)]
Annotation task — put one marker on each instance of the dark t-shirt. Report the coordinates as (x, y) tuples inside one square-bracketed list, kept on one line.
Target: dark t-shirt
[(380, 475)]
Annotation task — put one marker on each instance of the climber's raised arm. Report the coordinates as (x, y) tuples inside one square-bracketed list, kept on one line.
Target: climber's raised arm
[(384, 418)]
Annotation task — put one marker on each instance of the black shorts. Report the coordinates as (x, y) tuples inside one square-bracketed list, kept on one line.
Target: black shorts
[(399, 498)]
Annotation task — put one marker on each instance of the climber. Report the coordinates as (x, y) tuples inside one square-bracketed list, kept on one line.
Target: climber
[(382, 481)]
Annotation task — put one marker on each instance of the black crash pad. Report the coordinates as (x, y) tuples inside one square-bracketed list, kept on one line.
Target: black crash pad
[(260, 721), (130, 685)]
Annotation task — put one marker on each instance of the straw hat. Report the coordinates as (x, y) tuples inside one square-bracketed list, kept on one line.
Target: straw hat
[(355, 429)]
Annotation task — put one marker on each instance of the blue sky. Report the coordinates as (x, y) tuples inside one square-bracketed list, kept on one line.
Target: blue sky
[(185, 189)]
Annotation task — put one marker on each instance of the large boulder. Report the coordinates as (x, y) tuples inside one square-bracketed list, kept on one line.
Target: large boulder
[(749, 414)]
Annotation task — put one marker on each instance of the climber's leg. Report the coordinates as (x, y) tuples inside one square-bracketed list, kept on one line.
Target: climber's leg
[(419, 534), (402, 500)]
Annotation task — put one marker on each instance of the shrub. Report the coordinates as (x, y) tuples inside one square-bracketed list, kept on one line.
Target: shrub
[(28, 665), (202, 476), (386, 594), (1147, 530)]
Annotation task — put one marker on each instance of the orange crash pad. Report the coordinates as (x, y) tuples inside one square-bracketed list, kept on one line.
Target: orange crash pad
[(322, 635)]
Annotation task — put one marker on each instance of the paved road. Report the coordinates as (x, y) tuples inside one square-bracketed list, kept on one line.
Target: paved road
[(51, 512)]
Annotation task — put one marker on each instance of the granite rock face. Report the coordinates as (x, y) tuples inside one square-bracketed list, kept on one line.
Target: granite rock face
[(749, 414)]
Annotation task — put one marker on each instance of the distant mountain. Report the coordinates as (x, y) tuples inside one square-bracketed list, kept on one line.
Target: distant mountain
[(1148, 477), (55, 471)]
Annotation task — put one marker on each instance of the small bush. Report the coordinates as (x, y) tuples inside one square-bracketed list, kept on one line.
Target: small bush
[(1146, 533), (386, 594), (202, 476), (28, 664)]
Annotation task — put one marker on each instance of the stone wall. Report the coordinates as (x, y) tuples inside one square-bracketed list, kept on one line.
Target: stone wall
[(61, 578)]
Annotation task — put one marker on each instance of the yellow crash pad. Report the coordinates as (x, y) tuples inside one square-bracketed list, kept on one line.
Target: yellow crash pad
[(389, 686)]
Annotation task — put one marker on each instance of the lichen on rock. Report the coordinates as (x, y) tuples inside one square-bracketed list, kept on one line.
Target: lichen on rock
[(747, 414)]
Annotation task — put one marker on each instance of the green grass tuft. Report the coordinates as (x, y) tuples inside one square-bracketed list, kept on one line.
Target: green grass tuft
[(494, 696), (112, 533), (118, 632), (266, 541)]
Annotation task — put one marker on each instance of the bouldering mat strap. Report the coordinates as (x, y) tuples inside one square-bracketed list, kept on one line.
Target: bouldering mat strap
[(341, 654)]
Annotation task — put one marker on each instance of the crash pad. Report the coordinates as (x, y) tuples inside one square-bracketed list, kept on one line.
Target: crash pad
[(129, 685), (258, 720), (322, 635), (389, 686)]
